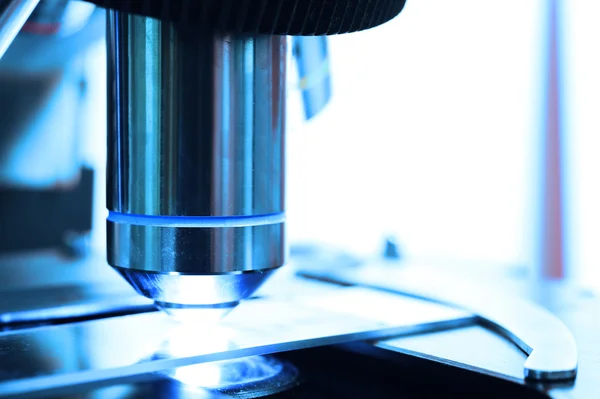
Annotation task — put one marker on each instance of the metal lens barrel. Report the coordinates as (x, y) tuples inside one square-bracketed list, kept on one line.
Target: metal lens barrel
[(195, 178)]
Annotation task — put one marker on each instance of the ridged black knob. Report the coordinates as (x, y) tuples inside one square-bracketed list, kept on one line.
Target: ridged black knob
[(280, 17)]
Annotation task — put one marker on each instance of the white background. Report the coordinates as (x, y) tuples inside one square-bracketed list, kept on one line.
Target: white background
[(433, 135)]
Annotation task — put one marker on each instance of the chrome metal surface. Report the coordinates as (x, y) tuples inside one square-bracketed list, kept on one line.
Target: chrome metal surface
[(195, 178), (550, 346), (195, 250), (13, 15), (195, 121), (111, 349), (196, 289)]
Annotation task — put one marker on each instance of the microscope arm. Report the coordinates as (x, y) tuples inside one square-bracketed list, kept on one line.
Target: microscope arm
[(13, 15)]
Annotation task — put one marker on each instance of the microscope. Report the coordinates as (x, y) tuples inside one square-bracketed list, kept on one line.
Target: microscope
[(195, 193), (196, 123)]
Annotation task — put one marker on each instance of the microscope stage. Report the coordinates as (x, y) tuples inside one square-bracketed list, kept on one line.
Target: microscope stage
[(115, 348)]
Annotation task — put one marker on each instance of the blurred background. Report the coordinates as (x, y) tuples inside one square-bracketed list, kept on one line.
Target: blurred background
[(440, 134)]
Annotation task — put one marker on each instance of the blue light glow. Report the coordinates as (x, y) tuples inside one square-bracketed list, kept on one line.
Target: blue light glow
[(196, 221)]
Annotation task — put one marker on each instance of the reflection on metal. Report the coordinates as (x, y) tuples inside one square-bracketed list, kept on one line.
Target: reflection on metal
[(548, 342), (51, 357), (13, 15), (195, 250), (247, 377), (196, 132), (195, 290)]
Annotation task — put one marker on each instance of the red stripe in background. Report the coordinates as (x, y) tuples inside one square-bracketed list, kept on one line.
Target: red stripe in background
[(553, 218), (41, 28)]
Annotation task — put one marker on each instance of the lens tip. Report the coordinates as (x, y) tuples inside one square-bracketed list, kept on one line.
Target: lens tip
[(196, 314)]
